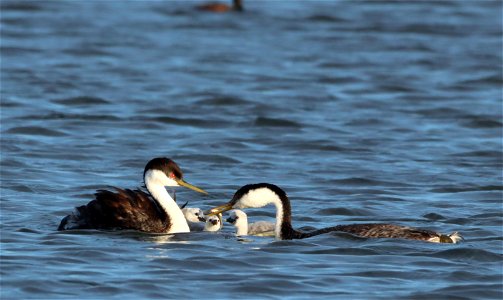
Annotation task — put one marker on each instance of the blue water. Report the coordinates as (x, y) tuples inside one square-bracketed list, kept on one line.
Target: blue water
[(360, 111)]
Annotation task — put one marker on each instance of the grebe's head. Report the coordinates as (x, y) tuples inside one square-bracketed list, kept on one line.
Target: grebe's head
[(164, 171), (193, 214), (252, 196), (237, 218), (213, 223)]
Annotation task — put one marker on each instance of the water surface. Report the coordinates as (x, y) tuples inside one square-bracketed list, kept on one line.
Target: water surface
[(361, 111)]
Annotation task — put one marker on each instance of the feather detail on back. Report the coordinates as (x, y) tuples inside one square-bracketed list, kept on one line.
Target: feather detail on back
[(261, 228), (389, 231), (123, 209)]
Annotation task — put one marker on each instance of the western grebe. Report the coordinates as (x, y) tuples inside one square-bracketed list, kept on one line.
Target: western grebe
[(154, 211), (195, 218), (262, 194), (213, 223), (237, 5), (239, 219)]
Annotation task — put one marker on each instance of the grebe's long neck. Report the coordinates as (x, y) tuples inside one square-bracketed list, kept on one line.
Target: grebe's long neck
[(159, 193), (283, 227), (280, 213), (242, 225)]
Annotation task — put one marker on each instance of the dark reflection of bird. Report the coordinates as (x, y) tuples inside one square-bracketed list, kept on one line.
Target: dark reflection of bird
[(151, 211), (262, 194), (237, 5)]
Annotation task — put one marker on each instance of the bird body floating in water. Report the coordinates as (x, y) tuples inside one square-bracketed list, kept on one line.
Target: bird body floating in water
[(262, 194), (239, 219), (152, 211)]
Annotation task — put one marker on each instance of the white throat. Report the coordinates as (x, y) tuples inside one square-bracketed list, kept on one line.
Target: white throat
[(279, 218), (242, 225), (156, 181)]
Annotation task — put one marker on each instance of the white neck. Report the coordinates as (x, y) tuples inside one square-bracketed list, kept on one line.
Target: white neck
[(210, 227), (158, 191), (279, 218), (242, 225)]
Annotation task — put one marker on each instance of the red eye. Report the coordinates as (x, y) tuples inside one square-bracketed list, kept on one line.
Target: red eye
[(172, 175)]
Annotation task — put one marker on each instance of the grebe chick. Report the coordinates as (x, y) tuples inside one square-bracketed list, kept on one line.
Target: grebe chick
[(195, 218), (262, 194), (239, 219), (237, 5), (152, 211), (213, 223)]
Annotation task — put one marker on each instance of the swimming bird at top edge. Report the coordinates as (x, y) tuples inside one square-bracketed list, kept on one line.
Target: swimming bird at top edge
[(237, 5), (262, 194), (152, 211)]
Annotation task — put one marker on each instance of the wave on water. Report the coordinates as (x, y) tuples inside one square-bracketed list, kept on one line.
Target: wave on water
[(83, 100)]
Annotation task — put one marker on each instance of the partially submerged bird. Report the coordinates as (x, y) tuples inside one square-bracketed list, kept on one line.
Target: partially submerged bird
[(237, 5), (213, 223), (152, 211), (239, 219), (262, 194)]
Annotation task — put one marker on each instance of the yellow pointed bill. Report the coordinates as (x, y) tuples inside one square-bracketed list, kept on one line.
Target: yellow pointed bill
[(181, 182), (218, 210)]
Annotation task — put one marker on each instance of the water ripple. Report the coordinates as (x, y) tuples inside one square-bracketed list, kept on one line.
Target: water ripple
[(276, 122), (35, 130), (84, 100)]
